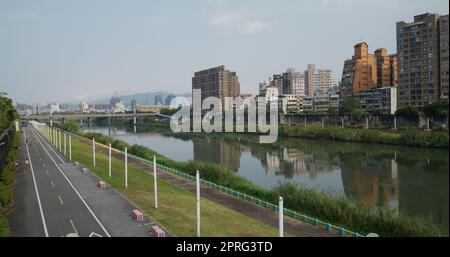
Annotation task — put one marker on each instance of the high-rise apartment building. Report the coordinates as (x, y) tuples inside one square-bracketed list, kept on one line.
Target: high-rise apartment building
[(293, 82), (443, 38), (422, 64), (310, 80), (324, 81), (217, 82), (317, 81), (366, 71)]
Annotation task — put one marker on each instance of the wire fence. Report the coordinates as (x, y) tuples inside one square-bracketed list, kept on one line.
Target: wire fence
[(262, 203)]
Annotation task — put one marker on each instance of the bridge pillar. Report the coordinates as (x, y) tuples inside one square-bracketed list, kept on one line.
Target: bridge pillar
[(89, 121), (81, 122), (63, 120), (134, 124), (51, 122)]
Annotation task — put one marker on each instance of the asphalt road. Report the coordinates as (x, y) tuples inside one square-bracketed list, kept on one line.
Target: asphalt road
[(61, 209)]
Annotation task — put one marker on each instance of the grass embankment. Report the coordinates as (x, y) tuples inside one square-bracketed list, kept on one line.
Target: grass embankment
[(337, 210), (410, 137), (176, 207), (6, 182)]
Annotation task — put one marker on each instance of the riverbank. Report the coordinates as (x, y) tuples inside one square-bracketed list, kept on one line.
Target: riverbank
[(409, 137), (337, 210), (405, 137)]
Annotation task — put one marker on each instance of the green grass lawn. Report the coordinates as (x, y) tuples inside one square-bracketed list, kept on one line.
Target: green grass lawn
[(176, 206)]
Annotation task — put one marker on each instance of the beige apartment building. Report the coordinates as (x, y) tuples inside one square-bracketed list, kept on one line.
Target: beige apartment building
[(217, 82), (366, 71), (422, 48)]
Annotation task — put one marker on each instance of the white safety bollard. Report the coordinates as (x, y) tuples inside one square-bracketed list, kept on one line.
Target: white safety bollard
[(109, 161), (155, 184), (280, 216), (70, 147), (126, 168), (65, 138), (93, 151), (197, 179)]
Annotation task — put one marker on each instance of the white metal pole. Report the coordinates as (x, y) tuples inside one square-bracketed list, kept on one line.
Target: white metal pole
[(65, 139), (60, 141), (342, 122), (155, 184), (126, 168), (367, 123), (197, 179), (70, 147), (109, 161), (93, 151), (280, 216)]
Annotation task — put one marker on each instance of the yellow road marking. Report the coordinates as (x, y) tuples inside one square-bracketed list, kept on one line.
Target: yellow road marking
[(73, 226), (60, 200), (53, 184)]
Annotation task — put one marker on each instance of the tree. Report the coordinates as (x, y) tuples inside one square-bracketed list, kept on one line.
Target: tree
[(358, 115), (7, 112), (408, 112), (349, 105), (437, 110), (332, 112)]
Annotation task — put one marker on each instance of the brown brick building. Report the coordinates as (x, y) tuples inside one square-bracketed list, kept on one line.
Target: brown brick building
[(366, 71), (216, 82)]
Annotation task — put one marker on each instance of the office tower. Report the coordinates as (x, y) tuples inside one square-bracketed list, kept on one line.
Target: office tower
[(217, 82), (421, 62)]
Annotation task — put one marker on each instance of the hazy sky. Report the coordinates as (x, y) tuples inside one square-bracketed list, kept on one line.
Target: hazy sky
[(59, 50)]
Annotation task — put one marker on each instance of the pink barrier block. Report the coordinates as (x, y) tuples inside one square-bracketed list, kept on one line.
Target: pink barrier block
[(158, 232), (137, 215), (102, 184)]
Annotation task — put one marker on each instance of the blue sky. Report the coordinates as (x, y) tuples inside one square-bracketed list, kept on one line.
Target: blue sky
[(56, 50)]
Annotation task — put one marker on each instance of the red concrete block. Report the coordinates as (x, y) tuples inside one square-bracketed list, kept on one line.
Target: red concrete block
[(102, 184), (137, 215), (157, 231)]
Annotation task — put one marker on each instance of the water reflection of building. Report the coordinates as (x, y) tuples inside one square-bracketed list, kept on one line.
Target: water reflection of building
[(228, 155), (289, 161), (371, 181)]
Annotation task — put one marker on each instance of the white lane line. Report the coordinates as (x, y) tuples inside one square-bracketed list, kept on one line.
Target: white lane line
[(51, 148), (73, 226), (78, 194), (60, 200), (35, 188)]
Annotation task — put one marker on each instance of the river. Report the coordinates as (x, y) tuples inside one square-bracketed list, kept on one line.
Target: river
[(406, 179)]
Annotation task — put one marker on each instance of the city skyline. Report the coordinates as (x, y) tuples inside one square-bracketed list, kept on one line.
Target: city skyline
[(74, 50)]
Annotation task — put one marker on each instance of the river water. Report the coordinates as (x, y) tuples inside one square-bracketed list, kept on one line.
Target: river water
[(407, 179)]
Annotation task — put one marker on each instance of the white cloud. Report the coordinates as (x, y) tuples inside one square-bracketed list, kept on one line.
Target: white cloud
[(254, 26), (242, 20)]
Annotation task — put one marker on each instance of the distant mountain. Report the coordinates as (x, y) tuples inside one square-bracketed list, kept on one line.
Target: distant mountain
[(142, 98)]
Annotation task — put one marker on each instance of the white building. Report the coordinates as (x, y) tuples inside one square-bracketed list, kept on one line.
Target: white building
[(54, 107), (84, 106), (271, 95), (119, 107)]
